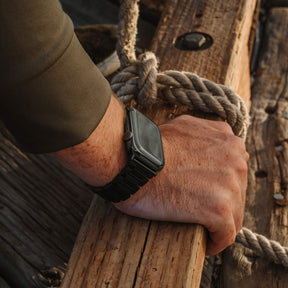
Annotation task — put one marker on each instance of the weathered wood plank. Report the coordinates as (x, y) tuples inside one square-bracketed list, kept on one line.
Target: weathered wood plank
[(175, 22), (173, 256), (227, 22), (108, 248), (41, 209), (253, 31), (268, 165), (104, 255)]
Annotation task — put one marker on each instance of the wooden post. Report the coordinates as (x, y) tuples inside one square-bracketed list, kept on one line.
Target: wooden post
[(115, 250), (267, 204)]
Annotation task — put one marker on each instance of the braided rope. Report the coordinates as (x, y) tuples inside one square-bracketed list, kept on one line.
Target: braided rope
[(264, 247), (140, 80)]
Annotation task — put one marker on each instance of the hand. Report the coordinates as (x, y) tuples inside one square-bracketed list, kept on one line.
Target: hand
[(204, 180)]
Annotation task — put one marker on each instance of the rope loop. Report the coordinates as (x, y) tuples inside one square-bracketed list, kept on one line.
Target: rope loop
[(138, 80)]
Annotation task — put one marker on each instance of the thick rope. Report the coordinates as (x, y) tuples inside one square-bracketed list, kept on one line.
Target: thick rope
[(140, 80), (263, 247), (127, 30)]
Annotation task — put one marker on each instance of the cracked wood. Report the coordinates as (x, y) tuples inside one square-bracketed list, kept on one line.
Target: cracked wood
[(267, 144)]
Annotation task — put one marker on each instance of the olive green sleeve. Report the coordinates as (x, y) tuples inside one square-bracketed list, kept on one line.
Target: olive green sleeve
[(53, 96)]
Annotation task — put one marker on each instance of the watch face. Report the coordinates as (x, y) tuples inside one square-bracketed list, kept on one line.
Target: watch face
[(147, 143)]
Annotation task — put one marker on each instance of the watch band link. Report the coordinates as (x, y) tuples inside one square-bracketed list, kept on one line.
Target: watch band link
[(126, 183)]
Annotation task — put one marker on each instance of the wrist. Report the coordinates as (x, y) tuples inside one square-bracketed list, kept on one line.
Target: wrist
[(144, 146), (100, 158)]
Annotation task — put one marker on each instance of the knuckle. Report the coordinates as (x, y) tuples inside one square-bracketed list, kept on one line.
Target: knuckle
[(223, 207), (234, 146), (241, 166), (238, 144), (237, 194), (184, 117), (246, 156)]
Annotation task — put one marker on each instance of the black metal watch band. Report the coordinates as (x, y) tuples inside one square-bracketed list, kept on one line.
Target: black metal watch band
[(145, 153), (126, 183)]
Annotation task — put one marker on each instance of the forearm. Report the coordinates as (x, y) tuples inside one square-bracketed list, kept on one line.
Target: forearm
[(102, 156)]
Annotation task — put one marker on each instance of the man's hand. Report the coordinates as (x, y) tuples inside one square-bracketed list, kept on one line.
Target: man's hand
[(204, 180)]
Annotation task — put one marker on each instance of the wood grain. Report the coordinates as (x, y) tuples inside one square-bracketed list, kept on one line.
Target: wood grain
[(267, 144), (114, 250), (41, 209), (227, 22)]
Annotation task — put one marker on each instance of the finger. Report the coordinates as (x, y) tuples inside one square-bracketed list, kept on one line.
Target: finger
[(238, 191), (246, 157), (219, 240)]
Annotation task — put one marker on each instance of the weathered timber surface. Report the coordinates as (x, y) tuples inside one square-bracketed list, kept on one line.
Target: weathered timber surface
[(267, 144), (227, 22), (253, 31), (114, 250), (41, 208)]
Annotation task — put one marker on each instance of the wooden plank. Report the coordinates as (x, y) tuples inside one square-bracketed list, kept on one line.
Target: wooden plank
[(175, 22), (120, 251), (41, 208), (268, 165), (228, 23), (253, 31)]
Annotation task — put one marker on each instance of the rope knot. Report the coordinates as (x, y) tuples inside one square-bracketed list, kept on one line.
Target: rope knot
[(138, 80)]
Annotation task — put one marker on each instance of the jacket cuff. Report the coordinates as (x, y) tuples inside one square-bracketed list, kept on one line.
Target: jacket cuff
[(60, 107)]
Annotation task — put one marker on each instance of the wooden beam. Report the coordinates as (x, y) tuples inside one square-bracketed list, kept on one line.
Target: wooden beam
[(227, 22), (121, 251), (267, 194)]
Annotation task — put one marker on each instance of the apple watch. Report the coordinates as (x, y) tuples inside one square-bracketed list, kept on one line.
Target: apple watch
[(145, 158)]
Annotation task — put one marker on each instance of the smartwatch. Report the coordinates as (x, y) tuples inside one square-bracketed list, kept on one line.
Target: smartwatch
[(145, 158)]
